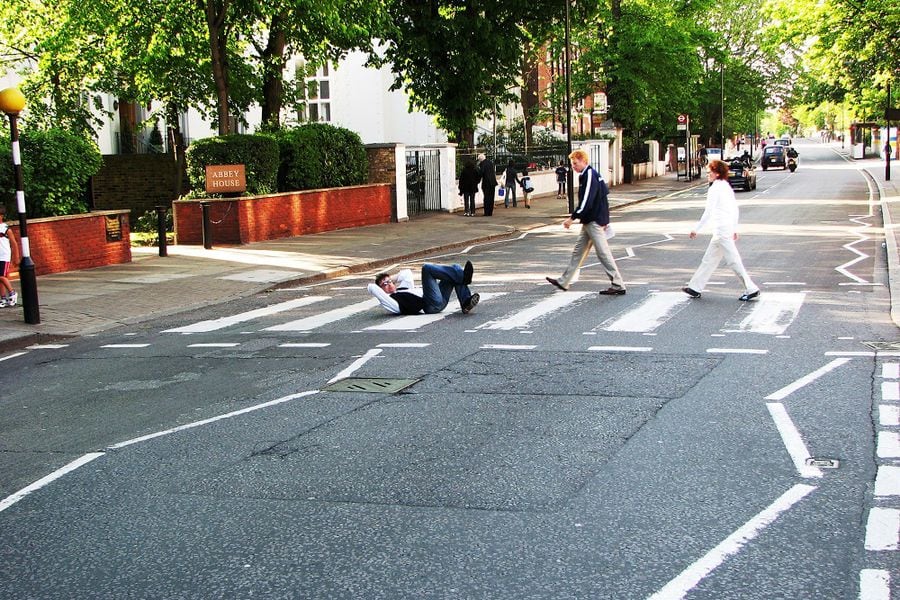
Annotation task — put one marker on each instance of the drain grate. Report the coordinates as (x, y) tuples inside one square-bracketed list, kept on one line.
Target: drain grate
[(370, 384), (883, 345)]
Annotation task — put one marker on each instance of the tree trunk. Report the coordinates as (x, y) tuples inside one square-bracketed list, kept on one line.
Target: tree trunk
[(127, 127), (529, 93), (215, 11), (273, 74)]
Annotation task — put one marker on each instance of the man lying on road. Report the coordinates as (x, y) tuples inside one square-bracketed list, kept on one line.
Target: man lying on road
[(400, 296)]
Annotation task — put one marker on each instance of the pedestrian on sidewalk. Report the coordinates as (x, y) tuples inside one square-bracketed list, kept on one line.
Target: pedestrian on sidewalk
[(468, 186), (488, 183), (527, 187), (511, 178), (400, 296), (8, 296), (562, 173), (721, 214), (593, 213)]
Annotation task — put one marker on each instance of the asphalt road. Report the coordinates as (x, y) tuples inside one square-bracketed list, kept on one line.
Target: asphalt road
[(547, 445)]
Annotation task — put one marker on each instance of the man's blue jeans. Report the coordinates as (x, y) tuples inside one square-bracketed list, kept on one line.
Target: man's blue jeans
[(438, 282)]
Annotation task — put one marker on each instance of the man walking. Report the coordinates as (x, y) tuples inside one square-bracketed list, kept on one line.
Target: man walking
[(593, 213), (488, 183)]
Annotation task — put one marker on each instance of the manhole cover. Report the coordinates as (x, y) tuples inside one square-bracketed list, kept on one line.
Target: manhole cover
[(883, 345), (370, 384)]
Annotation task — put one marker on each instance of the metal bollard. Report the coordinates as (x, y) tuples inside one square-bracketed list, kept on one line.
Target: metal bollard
[(161, 229), (207, 231)]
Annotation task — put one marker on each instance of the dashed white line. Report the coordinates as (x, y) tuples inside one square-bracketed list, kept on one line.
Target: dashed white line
[(807, 379), (12, 499), (214, 345), (890, 390), (882, 529), (874, 584), (887, 481), (888, 416), (304, 345), (408, 345), (124, 345), (735, 351), (356, 364), (507, 347), (620, 349), (14, 355), (890, 371), (215, 324), (888, 444)]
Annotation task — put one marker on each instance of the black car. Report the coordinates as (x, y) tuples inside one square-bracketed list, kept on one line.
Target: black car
[(742, 174), (774, 156)]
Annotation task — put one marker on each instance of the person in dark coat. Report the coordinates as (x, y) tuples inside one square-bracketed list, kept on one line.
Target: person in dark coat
[(511, 179), (488, 183), (468, 186)]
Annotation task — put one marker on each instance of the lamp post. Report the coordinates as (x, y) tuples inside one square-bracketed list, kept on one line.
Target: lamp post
[(570, 177), (12, 102)]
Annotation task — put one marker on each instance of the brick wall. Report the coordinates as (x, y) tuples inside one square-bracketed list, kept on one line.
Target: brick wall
[(136, 182), (258, 218), (381, 163), (73, 242)]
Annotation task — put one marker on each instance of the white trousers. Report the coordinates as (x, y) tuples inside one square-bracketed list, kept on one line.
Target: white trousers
[(719, 248), (592, 235)]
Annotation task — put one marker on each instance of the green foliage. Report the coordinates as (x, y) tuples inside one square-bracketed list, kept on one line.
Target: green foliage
[(56, 167), (258, 153), (149, 222), (319, 155)]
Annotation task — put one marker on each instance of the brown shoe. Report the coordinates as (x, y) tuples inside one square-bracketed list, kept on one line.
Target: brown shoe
[(613, 292)]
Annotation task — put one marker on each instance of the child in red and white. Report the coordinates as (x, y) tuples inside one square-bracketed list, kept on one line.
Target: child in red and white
[(8, 296)]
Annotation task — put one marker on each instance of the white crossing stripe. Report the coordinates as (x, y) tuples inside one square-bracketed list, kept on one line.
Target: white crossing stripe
[(304, 345), (215, 345), (882, 529), (524, 317), (888, 416), (124, 345), (874, 584), (653, 311), (507, 347), (415, 322), (215, 324), (316, 321), (888, 446), (890, 370), (890, 390), (620, 349), (771, 314), (887, 481)]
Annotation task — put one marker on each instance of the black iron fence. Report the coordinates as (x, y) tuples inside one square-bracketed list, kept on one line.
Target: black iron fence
[(423, 181)]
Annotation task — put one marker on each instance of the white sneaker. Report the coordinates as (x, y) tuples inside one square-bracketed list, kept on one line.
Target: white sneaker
[(2, 302), (13, 298)]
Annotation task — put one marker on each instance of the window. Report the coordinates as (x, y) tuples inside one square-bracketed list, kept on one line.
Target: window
[(317, 91)]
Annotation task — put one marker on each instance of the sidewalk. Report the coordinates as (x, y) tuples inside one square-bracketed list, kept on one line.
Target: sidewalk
[(190, 277)]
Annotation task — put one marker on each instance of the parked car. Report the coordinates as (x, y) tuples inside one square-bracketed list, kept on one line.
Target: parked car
[(782, 142), (714, 153), (742, 174), (773, 156)]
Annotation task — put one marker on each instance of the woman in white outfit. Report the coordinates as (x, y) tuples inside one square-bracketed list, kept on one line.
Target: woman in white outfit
[(721, 214)]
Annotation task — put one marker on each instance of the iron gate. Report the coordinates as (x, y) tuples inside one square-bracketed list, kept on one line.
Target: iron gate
[(423, 181)]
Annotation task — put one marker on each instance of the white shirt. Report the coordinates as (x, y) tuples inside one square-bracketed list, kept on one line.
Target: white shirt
[(721, 212), (5, 250), (404, 283)]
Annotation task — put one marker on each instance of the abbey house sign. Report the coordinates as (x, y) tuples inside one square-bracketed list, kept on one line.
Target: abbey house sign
[(222, 179)]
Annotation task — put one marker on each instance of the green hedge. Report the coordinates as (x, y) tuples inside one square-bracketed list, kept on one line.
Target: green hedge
[(258, 154), (56, 168), (319, 155)]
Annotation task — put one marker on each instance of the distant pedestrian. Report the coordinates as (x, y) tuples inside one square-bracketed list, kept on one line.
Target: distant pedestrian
[(400, 296), (488, 183), (468, 186), (721, 213), (593, 213), (8, 296), (510, 180), (527, 187), (562, 174)]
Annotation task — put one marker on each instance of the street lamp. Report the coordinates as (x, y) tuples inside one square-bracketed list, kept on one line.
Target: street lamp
[(12, 102), (570, 177)]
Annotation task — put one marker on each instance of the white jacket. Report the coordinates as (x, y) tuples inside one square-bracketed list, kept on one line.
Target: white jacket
[(721, 213)]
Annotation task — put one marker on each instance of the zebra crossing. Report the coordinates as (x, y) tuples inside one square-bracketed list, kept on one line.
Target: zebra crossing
[(646, 314)]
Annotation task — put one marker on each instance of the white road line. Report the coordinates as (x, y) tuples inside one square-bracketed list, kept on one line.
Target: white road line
[(772, 314), (773, 283), (647, 315), (695, 573), (409, 345), (735, 351), (888, 444), (874, 584), (888, 416), (230, 415), (620, 349), (416, 322), (882, 529), (507, 347), (887, 481), (316, 321), (215, 345), (51, 346), (807, 379), (792, 440), (124, 345), (356, 364), (890, 390), (14, 355), (13, 498), (842, 269), (304, 345), (215, 324), (890, 371), (525, 316)]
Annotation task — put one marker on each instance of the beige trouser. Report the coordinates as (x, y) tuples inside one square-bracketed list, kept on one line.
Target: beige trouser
[(719, 248), (592, 234)]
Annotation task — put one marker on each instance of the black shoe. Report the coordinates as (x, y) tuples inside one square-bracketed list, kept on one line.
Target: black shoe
[(750, 296), (613, 292), (471, 303), (690, 292), (555, 283), (468, 271)]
